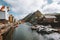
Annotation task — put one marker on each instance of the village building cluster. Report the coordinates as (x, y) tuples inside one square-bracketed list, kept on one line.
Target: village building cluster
[(5, 17), (43, 19)]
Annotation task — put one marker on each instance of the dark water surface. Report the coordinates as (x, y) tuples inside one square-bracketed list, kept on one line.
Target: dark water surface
[(23, 32)]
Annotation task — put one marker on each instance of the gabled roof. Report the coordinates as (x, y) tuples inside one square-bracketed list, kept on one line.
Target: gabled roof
[(2, 8)]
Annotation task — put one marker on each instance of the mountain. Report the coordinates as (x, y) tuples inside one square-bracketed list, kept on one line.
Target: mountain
[(33, 17)]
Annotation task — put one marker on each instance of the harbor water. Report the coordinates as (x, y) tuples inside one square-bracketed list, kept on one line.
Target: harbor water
[(24, 32)]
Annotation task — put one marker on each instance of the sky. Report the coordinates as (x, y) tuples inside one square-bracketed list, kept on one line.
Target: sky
[(21, 8)]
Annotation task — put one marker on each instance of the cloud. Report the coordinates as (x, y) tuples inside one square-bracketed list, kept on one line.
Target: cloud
[(24, 7), (54, 7)]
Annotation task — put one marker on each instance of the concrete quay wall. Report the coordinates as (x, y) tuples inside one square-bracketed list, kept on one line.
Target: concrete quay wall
[(6, 33)]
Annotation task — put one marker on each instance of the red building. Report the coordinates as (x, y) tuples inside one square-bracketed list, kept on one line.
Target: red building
[(49, 18)]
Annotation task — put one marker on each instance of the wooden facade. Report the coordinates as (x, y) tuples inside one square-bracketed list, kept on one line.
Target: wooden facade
[(4, 14), (49, 18), (11, 18)]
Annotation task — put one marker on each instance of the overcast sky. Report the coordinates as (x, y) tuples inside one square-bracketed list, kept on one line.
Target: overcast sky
[(20, 8)]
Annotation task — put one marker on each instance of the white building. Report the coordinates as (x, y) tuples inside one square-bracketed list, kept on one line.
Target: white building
[(4, 12)]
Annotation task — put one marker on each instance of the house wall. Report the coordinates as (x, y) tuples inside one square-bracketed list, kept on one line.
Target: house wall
[(49, 19), (11, 19), (2, 15)]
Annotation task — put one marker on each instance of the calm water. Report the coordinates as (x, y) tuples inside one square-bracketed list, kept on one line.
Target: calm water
[(23, 32)]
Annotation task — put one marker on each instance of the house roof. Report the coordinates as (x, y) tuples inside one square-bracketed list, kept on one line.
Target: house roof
[(2, 8), (48, 16)]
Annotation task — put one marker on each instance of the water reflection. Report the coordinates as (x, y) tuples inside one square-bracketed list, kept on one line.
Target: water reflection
[(53, 36), (23, 32)]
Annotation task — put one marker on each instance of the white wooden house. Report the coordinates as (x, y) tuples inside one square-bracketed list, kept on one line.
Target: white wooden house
[(3, 13)]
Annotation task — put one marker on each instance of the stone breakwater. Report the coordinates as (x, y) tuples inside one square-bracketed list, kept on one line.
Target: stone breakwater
[(6, 32)]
